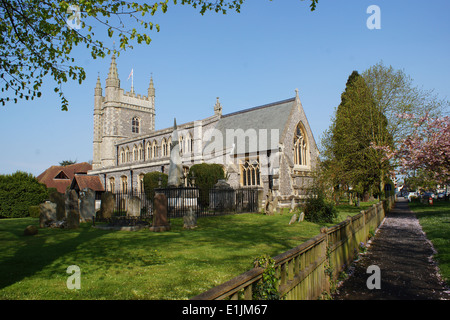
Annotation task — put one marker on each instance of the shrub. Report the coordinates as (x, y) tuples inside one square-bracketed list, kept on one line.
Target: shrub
[(19, 191), (318, 209), (206, 176), (151, 182), (34, 211)]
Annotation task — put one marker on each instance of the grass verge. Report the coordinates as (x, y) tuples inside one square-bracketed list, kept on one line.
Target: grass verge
[(435, 222)]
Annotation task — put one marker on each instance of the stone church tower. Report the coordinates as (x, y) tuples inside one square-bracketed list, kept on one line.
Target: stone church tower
[(119, 115)]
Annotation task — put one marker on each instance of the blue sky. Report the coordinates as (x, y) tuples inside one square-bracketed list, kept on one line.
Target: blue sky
[(258, 56)]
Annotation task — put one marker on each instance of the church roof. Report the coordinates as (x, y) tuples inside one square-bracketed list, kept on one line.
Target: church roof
[(265, 123)]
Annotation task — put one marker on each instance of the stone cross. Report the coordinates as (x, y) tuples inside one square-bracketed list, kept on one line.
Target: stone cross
[(175, 167)]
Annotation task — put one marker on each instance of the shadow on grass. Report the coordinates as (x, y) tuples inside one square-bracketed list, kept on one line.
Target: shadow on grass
[(37, 252)]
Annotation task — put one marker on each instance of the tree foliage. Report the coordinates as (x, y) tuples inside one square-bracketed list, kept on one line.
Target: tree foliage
[(37, 37), (19, 191), (358, 124), (426, 151), (151, 182)]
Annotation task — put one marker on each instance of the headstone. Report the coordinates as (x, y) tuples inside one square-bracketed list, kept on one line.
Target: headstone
[(107, 205), (160, 222), (293, 218), (269, 206), (47, 213), (87, 204), (134, 206), (30, 231), (301, 217), (190, 220), (71, 201), (275, 204), (293, 205), (73, 219), (58, 198)]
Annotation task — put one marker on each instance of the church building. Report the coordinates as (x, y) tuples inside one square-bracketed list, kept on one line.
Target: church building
[(269, 147)]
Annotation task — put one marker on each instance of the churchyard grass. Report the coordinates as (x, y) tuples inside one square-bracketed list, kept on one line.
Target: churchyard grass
[(177, 264), (435, 222)]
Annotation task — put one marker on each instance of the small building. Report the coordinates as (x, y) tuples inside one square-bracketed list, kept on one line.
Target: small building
[(60, 177)]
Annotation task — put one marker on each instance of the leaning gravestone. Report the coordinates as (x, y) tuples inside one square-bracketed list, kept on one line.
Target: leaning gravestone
[(47, 213), (269, 205), (87, 204), (134, 206), (107, 205), (71, 201), (160, 222), (190, 219), (293, 219), (301, 217)]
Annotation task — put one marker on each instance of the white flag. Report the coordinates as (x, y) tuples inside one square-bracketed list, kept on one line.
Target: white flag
[(131, 74)]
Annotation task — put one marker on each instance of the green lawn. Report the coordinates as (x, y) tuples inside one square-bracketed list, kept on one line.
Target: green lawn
[(177, 264), (435, 222)]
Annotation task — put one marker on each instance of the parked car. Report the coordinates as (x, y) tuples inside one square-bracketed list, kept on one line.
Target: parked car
[(411, 196), (428, 195), (441, 196)]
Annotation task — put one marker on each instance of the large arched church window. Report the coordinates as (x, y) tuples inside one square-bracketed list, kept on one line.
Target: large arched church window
[(300, 146)]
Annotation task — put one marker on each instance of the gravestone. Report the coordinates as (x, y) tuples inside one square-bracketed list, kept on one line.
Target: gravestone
[(73, 219), (107, 205), (269, 206), (301, 217), (71, 201), (134, 206), (190, 220), (160, 222), (30, 231), (58, 198), (275, 204), (87, 204), (293, 218), (47, 213)]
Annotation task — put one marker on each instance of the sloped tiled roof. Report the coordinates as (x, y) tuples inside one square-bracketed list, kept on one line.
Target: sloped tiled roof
[(257, 120), (48, 176), (88, 182)]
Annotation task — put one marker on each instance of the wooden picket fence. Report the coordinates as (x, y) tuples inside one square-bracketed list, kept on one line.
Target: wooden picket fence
[(302, 270)]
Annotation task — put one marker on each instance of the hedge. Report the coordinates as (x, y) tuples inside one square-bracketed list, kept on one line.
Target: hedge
[(19, 191)]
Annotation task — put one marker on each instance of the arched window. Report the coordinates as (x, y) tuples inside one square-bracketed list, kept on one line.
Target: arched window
[(250, 173), (169, 145), (149, 150), (135, 122), (164, 148), (181, 144), (122, 155), (154, 149), (128, 154), (141, 152), (141, 183), (135, 153), (300, 147), (124, 184), (189, 143), (112, 184)]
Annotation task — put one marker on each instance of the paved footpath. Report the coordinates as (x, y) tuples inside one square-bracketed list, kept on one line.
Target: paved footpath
[(404, 255)]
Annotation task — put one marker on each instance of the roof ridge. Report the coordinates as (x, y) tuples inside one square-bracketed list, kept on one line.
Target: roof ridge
[(259, 107)]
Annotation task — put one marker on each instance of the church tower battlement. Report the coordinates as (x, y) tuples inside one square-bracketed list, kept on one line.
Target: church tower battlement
[(119, 115)]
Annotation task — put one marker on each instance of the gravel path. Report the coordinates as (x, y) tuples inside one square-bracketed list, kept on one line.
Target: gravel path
[(404, 255)]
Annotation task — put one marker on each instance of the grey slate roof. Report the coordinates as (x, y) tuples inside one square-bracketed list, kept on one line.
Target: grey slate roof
[(255, 122)]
